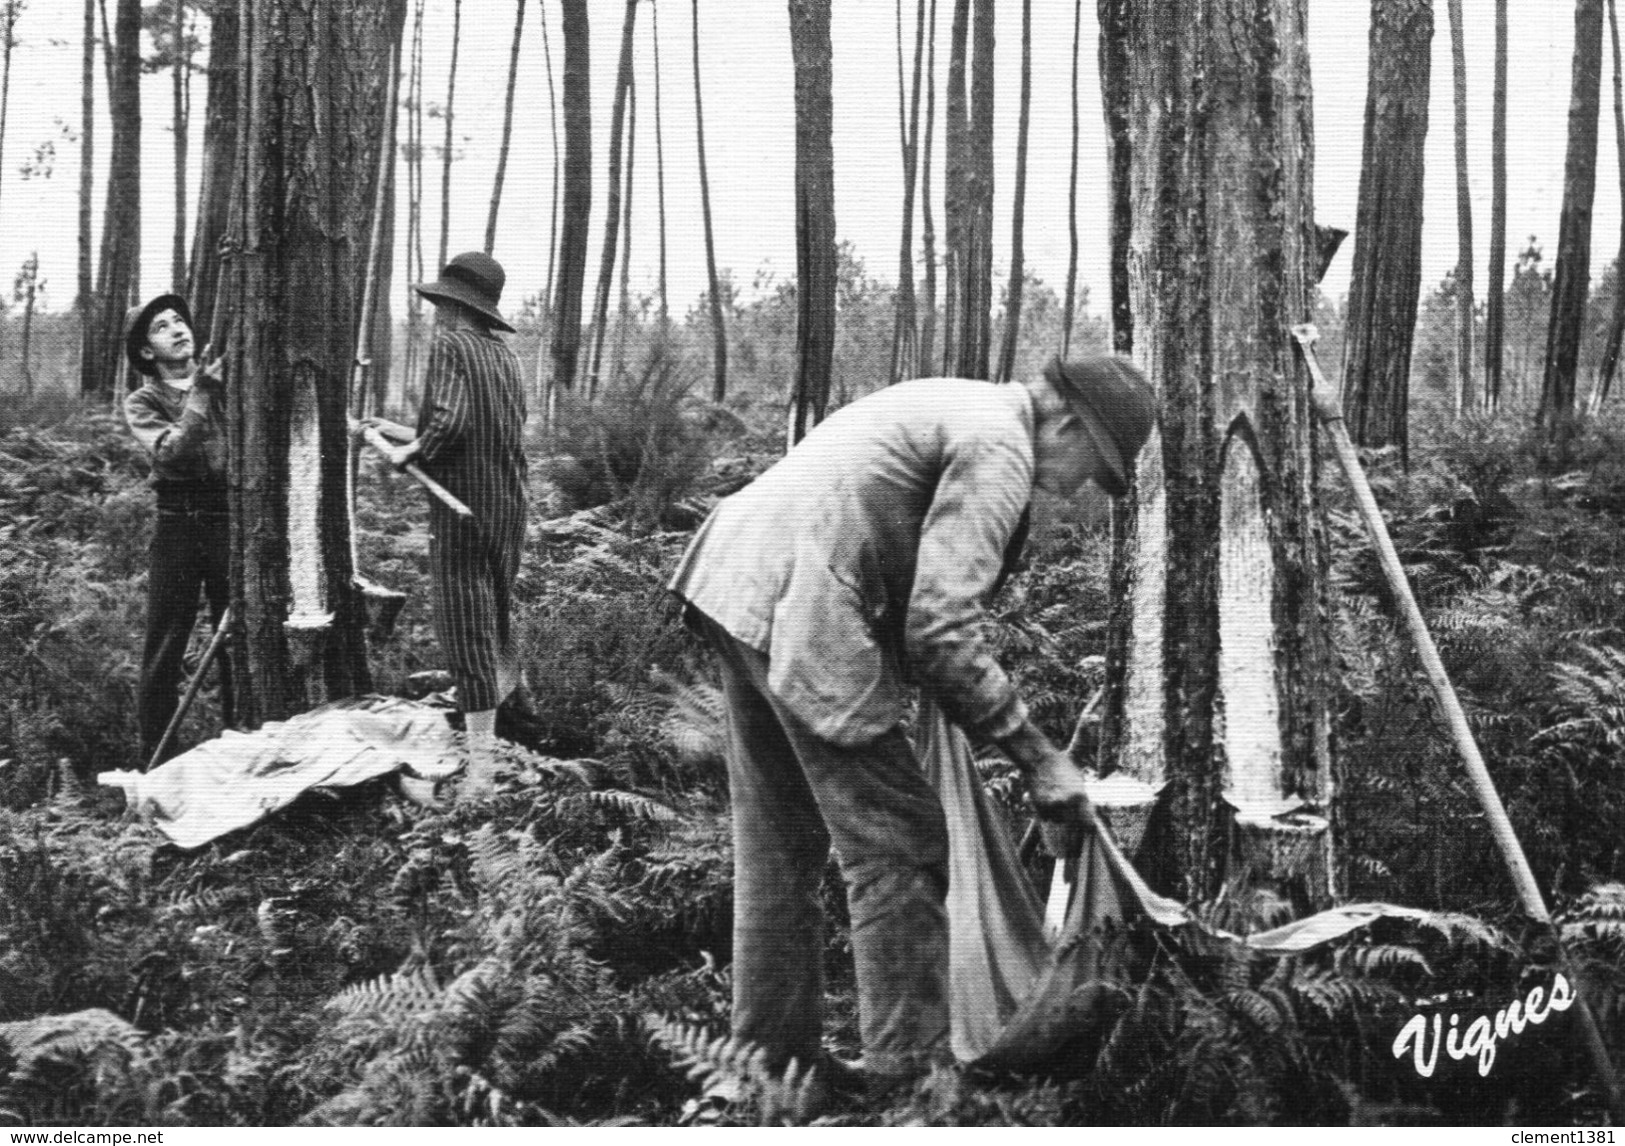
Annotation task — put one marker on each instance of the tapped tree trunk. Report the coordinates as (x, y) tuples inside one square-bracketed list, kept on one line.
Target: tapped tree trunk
[(507, 128), (1388, 229), (118, 274), (719, 331), (815, 215), (1572, 276), (1219, 674), (612, 217), (1012, 310), (577, 202), (1495, 288), (85, 304), (306, 164), (219, 154), (1466, 395)]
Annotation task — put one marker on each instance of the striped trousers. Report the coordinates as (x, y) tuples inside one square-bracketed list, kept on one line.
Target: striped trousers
[(474, 572)]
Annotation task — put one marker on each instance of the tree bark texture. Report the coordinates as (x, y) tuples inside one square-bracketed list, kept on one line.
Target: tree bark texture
[(1466, 394), (905, 344), (1572, 275), (1616, 323), (928, 227), (1115, 100), (1495, 273), (976, 263), (719, 330), (1012, 309), (577, 200), (315, 95), (1388, 227), (815, 214), (955, 178), (118, 279), (1218, 668), (219, 155), (85, 304), (181, 62), (612, 204)]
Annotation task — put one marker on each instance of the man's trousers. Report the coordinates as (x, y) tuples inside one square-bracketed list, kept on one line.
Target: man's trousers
[(189, 552), (795, 794)]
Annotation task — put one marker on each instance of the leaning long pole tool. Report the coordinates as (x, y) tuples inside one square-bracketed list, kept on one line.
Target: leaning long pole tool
[(212, 651), (377, 441), (1329, 410)]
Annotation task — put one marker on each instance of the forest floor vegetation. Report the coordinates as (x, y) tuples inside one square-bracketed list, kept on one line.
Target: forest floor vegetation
[(558, 953)]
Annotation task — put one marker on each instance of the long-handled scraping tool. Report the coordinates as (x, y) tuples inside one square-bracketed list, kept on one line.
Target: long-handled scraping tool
[(1329, 410), (212, 651)]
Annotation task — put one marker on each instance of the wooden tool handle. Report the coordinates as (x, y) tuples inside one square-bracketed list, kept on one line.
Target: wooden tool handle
[(378, 442)]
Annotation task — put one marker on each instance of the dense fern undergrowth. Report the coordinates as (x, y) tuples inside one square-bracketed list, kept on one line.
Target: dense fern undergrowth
[(558, 953)]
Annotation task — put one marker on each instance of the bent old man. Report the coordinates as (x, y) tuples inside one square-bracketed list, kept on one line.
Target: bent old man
[(859, 565)]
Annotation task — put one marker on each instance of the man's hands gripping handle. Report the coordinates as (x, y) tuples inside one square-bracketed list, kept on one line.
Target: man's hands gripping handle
[(1055, 787)]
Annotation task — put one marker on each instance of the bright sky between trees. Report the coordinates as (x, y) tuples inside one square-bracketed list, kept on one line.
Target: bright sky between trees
[(748, 104)]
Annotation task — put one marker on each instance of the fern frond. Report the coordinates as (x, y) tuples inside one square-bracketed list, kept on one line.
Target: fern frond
[(402, 995)]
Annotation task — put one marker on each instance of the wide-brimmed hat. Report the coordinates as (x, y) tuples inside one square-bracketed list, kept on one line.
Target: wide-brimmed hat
[(138, 318), (1116, 405), (474, 279)]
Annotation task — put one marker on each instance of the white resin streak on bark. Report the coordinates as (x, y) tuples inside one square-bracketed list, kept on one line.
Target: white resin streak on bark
[(1248, 700), (1148, 589), (304, 497)]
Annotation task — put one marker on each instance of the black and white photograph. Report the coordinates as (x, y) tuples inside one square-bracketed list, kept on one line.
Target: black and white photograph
[(607, 565)]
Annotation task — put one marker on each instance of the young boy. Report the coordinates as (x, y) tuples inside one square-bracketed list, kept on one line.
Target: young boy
[(178, 415)]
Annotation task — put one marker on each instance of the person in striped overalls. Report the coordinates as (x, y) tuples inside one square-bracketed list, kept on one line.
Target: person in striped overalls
[(470, 438)]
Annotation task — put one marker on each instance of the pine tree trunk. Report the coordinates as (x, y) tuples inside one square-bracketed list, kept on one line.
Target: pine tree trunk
[(1572, 274), (928, 228), (1219, 674), (660, 175), (446, 148), (415, 154), (955, 147), (1616, 324), (623, 305), (1466, 394), (1495, 288), (177, 255), (118, 273), (612, 206), (905, 342), (548, 391), (85, 304), (577, 202), (816, 258), (719, 331), (1070, 300), (219, 154), (315, 92), (507, 128), (1388, 230), (1115, 100), (976, 284), (9, 15), (1012, 310), (30, 286)]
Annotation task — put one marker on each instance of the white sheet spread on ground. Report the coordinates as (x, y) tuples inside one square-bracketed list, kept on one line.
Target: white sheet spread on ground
[(241, 777), (1016, 997)]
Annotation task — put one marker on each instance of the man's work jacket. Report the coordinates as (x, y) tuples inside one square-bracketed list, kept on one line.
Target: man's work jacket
[(866, 558)]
